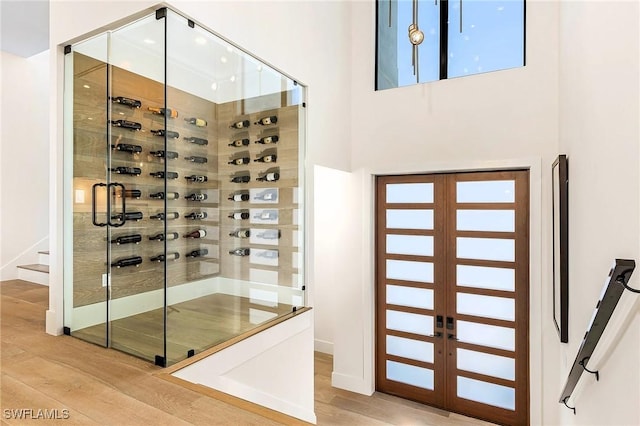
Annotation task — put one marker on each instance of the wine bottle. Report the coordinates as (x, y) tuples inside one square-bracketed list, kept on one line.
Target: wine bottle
[(132, 193), (240, 161), (270, 194), (240, 233), (271, 158), (198, 253), (269, 177), (133, 103), (196, 178), (267, 215), (239, 215), (125, 147), (240, 252), (269, 234), (265, 121), (170, 155), (242, 124), (196, 159), (196, 121), (134, 171), (197, 141), (127, 261), (161, 236), (127, 239), (241, 179), (269, 254), (164, 258), (200, 233), (196, 215), (171, 113), (169, 133), (168, 216), (126, 124), (239, 196), (268, 139), (196, 196), (160, 175), (127, 216), (162, 196), (240, 142)]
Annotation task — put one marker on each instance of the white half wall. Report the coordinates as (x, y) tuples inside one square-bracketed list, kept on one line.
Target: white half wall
[(24, 166), (273, 368)]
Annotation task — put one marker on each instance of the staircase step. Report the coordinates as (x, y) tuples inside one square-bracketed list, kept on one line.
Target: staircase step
[(36, 273), (36, 267), (43, 257)]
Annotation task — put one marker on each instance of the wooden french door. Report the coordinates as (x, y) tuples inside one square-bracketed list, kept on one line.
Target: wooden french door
[(452, 292)]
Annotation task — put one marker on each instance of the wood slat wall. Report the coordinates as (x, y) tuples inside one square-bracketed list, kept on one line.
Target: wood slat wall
[(90, 167)]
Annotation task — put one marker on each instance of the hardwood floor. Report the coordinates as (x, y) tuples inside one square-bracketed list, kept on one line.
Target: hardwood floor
[(103, 386)]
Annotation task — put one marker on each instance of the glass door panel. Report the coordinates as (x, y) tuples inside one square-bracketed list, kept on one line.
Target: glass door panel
[(136, 181), (86, 192)]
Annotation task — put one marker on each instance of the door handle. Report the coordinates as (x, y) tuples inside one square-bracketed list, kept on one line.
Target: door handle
[(94, 219), (437, 335), (450, 323), (452, 337), (124, 216)]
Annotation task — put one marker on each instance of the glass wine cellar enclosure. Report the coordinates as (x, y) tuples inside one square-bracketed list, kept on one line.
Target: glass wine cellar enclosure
[(183, 190)]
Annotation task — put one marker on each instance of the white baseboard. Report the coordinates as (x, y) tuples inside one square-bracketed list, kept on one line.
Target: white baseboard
[(350, 383), (323, 346), (265, 294), (9, 271), (89, 315)]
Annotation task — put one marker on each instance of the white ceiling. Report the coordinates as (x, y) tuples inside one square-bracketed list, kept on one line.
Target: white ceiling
[(24, 27)]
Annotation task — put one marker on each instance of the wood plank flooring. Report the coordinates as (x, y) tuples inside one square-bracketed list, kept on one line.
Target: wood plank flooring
[(106, 387), (196, 324)]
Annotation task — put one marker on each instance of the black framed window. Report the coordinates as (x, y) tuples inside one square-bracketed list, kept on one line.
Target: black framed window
[(451, 38)]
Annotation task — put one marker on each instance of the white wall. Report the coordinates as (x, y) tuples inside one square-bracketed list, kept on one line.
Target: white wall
[(600, 133), (273, 368), (485, 121), (24, 167)]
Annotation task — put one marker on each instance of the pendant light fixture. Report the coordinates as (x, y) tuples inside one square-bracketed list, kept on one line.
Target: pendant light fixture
[(416, 36)]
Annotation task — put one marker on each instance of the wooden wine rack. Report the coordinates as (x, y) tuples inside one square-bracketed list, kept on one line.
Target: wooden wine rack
[(90, 167)]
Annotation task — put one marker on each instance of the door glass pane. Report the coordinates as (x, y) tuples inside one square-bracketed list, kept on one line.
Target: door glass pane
[(487, 393), (494, 191), (409, 348), (410, 271), (410, 296), (419, 245), (410, 193), (486, 220), (486, 306), (410, 374), (410, 219), (488, 364), (487, 335), (86, 194), (486, 277), (138, 293), (411, 323), (486, 249)]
